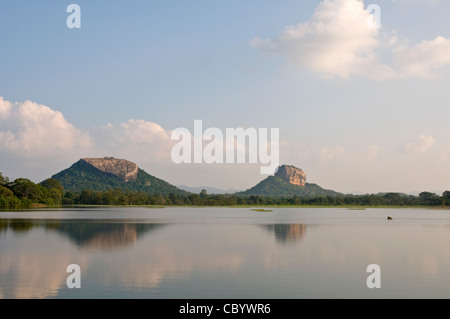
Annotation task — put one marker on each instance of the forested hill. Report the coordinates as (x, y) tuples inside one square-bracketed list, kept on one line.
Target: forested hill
[(289, 181), (274, 186), (84, 176)]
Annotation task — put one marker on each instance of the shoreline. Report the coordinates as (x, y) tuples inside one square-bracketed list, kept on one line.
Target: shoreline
[(348, 207)]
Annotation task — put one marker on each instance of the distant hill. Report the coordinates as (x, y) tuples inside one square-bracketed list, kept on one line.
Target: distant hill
[(209, 190), (101, 174), (288, 181)]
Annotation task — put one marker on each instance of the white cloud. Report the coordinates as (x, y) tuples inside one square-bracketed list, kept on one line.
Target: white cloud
[(419, 1), (137, 140), (144, 132), (339, 41), (29, 129), (5, 108), (423, 59), (421, 144), (37, 141), (35, 137), (37, 130)]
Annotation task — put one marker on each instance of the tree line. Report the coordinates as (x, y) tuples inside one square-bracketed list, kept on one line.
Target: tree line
[(23, 193)]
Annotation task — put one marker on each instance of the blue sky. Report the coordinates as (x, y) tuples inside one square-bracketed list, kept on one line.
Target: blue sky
[(133, 60), (369, 121)]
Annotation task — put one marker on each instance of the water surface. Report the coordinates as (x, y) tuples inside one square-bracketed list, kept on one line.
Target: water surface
[(225, 253)]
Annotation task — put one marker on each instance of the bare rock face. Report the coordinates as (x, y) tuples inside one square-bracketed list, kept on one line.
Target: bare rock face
[(292, 175), (123, 169)]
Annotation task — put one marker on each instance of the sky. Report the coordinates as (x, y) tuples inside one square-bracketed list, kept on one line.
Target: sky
[(360, 107)]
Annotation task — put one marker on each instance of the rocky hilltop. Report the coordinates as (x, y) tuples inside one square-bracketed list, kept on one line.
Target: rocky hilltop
[(292, 175), (103, 174), (123, 169), (288, 181)]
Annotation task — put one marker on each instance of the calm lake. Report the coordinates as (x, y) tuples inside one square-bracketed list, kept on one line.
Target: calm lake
[(225, 253)]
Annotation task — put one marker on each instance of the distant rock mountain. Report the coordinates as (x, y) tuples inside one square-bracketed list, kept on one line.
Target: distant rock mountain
[(288, 181), (123, 169), (209, 190), (101, 174), (291, 174)]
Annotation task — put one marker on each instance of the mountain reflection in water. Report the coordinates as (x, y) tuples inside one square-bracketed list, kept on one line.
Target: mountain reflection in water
[(89, 234), (98, 234), (224, 253), (285, 233)]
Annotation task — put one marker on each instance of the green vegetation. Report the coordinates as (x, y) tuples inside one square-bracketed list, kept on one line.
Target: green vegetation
[(23, 193), (274, 186), (118, 197), (82, 176)]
